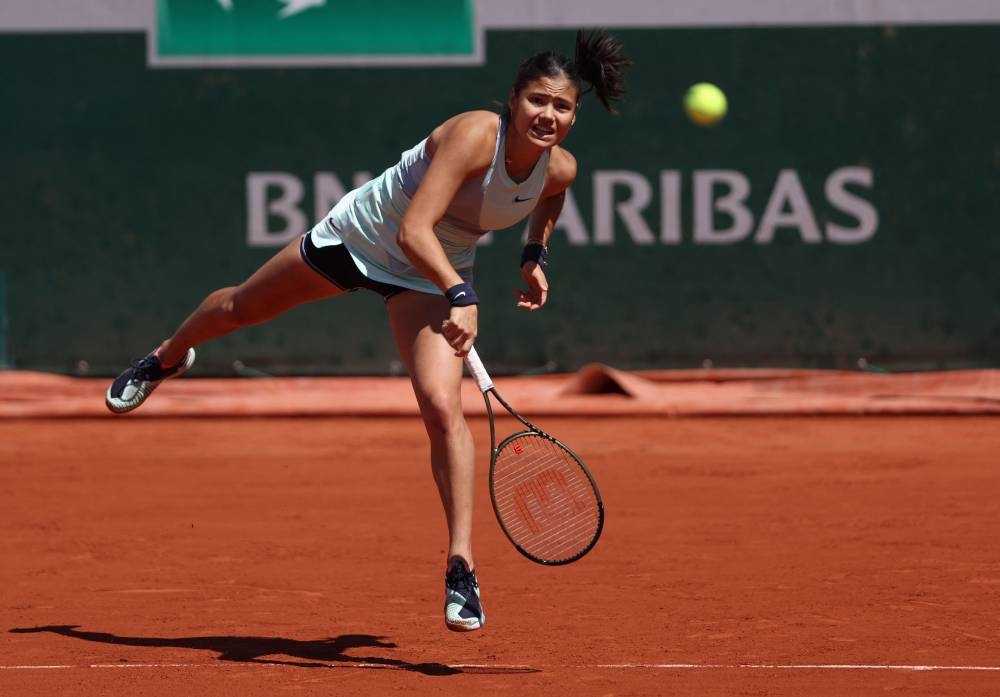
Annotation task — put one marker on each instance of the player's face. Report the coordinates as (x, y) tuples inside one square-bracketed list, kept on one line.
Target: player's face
[(544, 110)]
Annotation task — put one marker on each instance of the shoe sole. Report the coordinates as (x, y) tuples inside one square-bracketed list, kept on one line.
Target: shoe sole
[(142, 395), (465, 624), (464, 627)]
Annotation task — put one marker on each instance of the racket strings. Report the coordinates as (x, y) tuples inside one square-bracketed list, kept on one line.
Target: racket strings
[(545, 499)]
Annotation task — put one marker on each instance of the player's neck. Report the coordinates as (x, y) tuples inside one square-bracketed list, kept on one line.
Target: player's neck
[(520, 156)]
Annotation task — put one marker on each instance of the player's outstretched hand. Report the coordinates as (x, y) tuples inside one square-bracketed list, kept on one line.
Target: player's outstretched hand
[(538, 287)]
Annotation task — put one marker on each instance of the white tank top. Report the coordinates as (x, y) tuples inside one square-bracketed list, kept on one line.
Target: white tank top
[(366, 221)]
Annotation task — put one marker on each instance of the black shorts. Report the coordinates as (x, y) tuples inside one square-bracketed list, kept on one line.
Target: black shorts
[(335, 264)]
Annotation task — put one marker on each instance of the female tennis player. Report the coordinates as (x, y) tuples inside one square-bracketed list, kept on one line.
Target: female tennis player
[(410, 235)]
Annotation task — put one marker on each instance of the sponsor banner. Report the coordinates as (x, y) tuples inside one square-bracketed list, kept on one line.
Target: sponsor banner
[(621, 201), (843, 210), (313, 32), (4, 359)]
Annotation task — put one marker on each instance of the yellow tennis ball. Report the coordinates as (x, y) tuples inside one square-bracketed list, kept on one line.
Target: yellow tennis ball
[(705, 104)]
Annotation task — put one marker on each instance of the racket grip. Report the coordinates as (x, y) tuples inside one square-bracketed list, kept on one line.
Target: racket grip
[(478, 370)]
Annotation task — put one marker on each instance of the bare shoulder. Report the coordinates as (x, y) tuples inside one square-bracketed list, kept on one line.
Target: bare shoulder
[(561, 171), (471, 132)]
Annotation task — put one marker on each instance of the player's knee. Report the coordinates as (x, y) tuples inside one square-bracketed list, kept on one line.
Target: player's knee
[(238, 312), (442, 413)]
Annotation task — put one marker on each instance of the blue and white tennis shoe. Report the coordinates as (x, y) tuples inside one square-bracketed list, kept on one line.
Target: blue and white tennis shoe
[(137, 382), (463, 611)]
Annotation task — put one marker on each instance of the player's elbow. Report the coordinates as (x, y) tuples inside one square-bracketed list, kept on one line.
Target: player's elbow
[(404, 237), (408, 237)]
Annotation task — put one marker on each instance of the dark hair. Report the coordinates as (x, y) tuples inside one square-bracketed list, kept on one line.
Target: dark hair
[(598, 60)]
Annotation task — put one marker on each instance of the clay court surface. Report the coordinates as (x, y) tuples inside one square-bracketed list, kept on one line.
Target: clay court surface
[(792, 555)]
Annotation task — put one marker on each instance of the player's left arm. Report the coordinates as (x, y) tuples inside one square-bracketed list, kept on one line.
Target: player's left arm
[(561, 173)]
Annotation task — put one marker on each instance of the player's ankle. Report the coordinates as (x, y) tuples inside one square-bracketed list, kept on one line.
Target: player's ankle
[(465, 557), (167, 359)]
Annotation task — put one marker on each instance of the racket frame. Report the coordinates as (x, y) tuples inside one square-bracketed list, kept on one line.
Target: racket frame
[(486, 386)]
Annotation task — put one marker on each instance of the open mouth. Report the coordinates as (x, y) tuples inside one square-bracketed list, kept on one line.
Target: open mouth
[(542, 132)]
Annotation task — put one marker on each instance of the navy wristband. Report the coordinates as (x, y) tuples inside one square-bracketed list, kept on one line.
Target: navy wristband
[(461, 295), (533, 251)]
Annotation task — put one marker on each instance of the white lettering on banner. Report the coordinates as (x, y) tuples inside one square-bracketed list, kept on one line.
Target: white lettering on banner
[(629, 210), (260, 208), (327, 190), (670, 207), (852, 204), (733, 203), (788, 191), (276, 198)]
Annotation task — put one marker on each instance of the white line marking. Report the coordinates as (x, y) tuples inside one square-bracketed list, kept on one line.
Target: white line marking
[(150, 665), (803, 666), (498, 666), (512, 667)]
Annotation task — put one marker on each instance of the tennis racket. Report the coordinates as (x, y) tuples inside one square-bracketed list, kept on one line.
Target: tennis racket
[(544, 497)]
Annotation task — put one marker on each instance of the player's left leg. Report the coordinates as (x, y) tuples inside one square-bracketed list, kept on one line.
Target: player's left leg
[(284, 281), (436, 374)]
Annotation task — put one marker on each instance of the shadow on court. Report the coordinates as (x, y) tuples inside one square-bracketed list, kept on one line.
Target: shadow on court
[(319, 653)]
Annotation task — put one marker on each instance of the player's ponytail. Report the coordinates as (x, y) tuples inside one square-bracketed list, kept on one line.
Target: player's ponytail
[(599, 61)]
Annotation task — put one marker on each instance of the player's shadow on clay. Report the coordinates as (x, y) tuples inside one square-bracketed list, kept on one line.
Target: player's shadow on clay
[(319, 653)]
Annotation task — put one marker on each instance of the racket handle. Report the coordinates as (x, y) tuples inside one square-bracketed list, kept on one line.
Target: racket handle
[(478, 370)]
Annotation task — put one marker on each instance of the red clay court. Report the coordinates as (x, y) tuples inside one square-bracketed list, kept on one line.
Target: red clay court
[(767, 534)]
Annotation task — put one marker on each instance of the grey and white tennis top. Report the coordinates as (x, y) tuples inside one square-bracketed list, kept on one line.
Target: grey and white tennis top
[(366, 221)]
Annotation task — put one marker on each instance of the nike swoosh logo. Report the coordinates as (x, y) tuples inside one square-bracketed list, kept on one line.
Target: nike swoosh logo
[(518, 199), (459, 295)]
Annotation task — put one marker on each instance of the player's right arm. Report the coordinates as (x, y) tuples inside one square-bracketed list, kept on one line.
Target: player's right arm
[(460, 148)]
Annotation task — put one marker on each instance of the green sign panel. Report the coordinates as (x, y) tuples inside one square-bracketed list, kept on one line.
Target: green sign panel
[(4, 360), (303, 32), (845, 208)]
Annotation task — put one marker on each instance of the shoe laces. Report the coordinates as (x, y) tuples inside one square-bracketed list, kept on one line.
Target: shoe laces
[(461, 580), (146, 368)]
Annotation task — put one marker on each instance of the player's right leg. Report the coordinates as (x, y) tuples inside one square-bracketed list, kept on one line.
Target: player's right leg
[(284, 281), (436, 375)]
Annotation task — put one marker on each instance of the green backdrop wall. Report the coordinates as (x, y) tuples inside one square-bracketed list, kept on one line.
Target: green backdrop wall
[(846, 208)]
